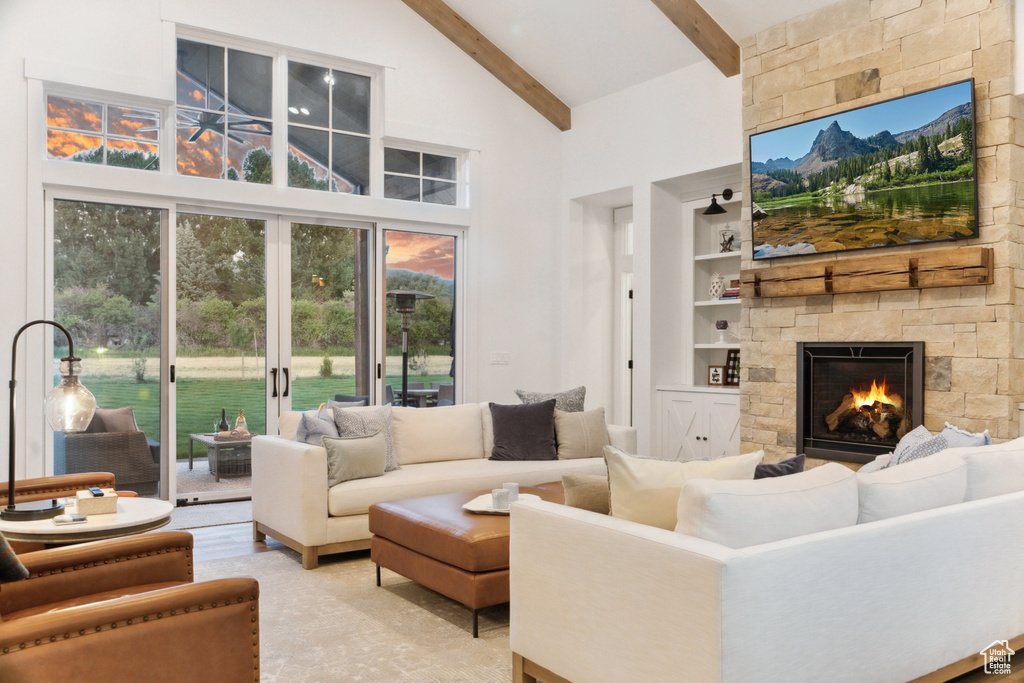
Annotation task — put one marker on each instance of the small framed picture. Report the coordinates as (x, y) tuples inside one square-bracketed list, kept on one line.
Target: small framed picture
[(716, 375)]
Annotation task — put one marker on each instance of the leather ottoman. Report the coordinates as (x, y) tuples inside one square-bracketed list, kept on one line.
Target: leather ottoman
[(459, 554)]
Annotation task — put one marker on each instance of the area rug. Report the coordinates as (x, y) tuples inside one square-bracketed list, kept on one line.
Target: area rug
[(333, 624), (210, 514)]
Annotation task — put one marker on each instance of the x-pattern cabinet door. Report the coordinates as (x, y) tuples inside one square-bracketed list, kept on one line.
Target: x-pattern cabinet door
[(698, 425)]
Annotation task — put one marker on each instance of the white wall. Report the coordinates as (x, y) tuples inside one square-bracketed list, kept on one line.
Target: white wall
[(678, 124), (433, 92)]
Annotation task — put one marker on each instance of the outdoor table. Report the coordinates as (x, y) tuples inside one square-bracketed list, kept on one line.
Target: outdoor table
[(236, 454)]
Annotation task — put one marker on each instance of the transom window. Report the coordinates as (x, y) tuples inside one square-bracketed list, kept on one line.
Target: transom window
[(101, 133), (328, 129), (420, 176), (224, 113)]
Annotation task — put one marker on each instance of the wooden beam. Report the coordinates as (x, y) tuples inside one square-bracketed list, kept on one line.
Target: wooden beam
[(476, 45), (949, 267), (697, 25)]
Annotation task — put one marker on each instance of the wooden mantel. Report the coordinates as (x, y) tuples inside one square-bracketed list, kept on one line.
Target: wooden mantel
[(950, 267)]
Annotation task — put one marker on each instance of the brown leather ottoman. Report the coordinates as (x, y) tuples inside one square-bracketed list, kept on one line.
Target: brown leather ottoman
[(459, 554)]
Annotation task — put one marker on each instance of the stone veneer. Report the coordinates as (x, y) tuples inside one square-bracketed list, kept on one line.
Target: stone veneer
[(856, 53)]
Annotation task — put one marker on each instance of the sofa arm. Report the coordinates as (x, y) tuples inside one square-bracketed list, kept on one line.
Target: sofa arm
[(595, 598), (207, 631), (289, 488), (60, 486), (87, 568), (623, 437)]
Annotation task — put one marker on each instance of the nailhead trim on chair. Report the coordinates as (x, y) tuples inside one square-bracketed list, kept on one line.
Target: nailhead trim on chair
[(122, 558), (159, 615)]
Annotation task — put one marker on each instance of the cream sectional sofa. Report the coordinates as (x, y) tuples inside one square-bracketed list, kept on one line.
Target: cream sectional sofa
[(596, 598), (440, 450)]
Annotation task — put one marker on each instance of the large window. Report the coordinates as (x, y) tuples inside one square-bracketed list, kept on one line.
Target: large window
[(224, 113), (100, 133), (328, 129), (420, 177)]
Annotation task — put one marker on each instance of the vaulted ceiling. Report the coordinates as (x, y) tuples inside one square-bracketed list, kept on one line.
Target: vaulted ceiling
[(571, 52)]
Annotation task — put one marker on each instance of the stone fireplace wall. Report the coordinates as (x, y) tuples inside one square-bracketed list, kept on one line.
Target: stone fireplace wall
[(861, 52)]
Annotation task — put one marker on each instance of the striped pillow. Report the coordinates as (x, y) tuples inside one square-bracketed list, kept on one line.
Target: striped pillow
[(11, 568)]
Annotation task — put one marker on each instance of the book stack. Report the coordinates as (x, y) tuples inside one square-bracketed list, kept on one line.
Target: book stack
[(731, 293)]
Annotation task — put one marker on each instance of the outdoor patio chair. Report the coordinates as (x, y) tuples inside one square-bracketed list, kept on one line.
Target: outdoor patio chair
[(446, 394), (111, 443)]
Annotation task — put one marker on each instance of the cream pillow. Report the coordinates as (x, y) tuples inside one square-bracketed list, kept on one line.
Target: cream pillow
[(441, 433), (646, 490), (738, 514), (581, 434), (921, 484)]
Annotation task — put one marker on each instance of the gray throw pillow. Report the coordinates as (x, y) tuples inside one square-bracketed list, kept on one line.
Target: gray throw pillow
[(959, 438), (367, 423), (113, 420), (524, 432), (345, 404), (571, 401), (355, 457), (587, 492), (313, 427), (780, 469), (917, 443)]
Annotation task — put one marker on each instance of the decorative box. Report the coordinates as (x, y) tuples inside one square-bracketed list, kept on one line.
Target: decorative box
[(88, 504)]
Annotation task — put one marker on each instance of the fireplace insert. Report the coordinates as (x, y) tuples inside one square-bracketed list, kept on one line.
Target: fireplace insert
[(855, 400)]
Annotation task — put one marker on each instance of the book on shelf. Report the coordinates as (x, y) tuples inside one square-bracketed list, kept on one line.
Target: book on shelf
[(730, 293)]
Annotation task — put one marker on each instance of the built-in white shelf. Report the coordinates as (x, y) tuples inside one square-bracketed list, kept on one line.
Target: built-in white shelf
[(718, 302), (713, 257), (716, 345)]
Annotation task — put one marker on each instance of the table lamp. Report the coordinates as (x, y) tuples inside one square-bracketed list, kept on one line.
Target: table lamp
[(68, 407)]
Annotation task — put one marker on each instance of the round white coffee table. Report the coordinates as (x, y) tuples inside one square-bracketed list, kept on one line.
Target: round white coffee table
[(133, 516)]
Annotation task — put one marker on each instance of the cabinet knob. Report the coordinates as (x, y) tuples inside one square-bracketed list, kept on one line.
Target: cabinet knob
[(697, 437), (705, 438)]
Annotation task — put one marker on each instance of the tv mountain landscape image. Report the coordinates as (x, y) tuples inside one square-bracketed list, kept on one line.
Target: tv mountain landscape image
[(853, 192)]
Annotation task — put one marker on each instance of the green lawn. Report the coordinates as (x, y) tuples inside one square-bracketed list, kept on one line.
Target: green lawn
[(200, 401)]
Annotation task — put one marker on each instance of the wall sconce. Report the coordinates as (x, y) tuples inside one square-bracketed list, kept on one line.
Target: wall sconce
[(68, 407), (405, 303), (714, 208)]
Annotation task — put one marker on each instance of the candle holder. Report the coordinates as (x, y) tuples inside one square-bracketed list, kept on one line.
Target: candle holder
[(721, 326)]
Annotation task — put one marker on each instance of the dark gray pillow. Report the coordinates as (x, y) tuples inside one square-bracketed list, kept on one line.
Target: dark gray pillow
[(524, 432), (779, 469)]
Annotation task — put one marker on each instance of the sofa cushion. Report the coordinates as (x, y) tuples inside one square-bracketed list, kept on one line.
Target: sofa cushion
[(738, 514), (586, 491), (441, 433), (646, 490), (780, 469), (994, 469), (917, 443), (314, 425), (570, 400), (581, 434), (524, 432), (355, 457), (367, 421), (113, 420), (918, 485), (431, 478), (959, 438)]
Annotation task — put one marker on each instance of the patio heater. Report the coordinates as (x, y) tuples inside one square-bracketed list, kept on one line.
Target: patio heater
[(69, 407), (405, 303)]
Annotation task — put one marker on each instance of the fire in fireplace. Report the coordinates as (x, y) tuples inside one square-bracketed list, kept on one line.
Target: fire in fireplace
[(857, 400)]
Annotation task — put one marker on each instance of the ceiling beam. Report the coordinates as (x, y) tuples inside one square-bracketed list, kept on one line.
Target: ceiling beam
[(476, 45), (697, 25)]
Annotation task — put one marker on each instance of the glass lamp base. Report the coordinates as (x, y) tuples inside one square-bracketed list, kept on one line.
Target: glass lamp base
[(25, 512)]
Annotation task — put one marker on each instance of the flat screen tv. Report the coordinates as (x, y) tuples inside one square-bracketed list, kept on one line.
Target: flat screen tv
[(887, 174)]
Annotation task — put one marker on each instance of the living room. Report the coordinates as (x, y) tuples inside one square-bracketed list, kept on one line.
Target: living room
[(538, 219)]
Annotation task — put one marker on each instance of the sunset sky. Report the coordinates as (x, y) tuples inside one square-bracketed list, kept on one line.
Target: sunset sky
[(422, 253)]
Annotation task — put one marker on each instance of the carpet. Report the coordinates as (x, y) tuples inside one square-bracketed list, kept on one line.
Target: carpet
[(210, 514), (333, 624)]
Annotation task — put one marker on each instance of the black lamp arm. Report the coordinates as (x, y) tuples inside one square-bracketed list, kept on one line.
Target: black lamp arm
[(13, 384)]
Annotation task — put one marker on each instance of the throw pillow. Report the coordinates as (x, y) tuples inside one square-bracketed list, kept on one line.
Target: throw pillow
[(113, 420), (581, 434), (919, 485), (524, 432), (780, 469), (917, 443), (958, 438), (366, 422), (345, 404), (357, 400), (646, 490), (313, 426), (738, 514), (586, 491), (355, 457), (571, 401), (11, 568)]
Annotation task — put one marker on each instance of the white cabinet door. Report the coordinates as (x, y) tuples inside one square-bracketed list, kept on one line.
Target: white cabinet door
[(697, 425)]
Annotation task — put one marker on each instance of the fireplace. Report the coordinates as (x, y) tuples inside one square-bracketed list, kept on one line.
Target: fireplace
[(855, 400)]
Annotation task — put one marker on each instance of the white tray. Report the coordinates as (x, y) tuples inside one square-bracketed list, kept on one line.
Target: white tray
[(481, 505)]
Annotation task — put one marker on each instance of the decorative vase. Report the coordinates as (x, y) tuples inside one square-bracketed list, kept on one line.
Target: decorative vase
[(223, 425), (717, 286), (240, 425), (728, 240), (721, 326)]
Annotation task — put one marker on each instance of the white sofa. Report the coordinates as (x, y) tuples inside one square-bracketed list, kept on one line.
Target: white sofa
[(440, 450), (596, 598)]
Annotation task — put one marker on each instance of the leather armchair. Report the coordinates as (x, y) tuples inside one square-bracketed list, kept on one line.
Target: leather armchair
[(125, 609)]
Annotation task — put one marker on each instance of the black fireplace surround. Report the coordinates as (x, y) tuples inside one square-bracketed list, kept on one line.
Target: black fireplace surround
[(827, 373)]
